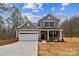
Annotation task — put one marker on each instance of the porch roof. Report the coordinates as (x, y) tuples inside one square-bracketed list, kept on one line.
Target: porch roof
[(56, 29)]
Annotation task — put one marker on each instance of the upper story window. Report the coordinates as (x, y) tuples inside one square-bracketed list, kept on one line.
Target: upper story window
[(46, 24), (49, 24)]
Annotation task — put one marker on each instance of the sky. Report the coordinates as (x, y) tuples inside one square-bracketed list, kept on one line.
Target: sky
[(35, 11)]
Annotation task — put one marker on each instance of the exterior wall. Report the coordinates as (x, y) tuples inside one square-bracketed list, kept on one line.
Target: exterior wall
[(56, 24), (42, 24)]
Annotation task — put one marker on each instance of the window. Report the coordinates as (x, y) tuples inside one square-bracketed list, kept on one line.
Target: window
[(23, 33), (28, 33), (46, 24), (49, 24)]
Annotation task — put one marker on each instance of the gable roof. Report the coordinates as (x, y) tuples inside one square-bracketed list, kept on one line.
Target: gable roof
[(26, 26), (51, 16)]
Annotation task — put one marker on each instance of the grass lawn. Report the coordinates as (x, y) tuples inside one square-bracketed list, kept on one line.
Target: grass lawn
[(68, 48)]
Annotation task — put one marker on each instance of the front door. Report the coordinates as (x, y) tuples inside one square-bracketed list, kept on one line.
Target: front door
[(44, 35)]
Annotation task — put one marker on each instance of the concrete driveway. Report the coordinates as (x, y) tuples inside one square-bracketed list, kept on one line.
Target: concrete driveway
[(20, 48)]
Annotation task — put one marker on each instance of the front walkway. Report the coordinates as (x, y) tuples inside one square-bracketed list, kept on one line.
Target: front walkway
[(19, 49)]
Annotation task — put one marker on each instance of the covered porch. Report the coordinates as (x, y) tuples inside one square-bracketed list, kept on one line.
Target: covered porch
[(51, 35)]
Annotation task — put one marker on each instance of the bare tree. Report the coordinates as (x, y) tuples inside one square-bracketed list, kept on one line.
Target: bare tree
[(15, 18)]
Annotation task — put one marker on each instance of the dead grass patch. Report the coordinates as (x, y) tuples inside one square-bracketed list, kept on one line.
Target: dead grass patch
[(6, 41), (68, 48)]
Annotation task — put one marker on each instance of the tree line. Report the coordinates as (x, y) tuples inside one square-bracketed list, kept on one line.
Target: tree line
[(70, 26)]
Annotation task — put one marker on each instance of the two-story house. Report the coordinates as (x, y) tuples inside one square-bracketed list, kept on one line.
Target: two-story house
[(49, 28)]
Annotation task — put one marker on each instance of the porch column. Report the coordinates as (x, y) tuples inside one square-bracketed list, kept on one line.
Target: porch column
[(39, 34), (47, 35), (60, 35), (53, 33)]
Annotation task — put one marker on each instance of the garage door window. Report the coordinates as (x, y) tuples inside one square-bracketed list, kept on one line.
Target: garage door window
[(28, 33), (23, 33)]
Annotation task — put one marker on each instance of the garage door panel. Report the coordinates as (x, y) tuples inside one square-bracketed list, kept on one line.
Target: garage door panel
[(28, 35)]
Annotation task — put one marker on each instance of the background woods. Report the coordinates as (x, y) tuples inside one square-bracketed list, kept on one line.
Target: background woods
[(71, 26)]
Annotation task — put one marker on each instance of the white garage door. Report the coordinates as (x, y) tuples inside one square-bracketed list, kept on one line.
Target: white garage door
[(28, 35)]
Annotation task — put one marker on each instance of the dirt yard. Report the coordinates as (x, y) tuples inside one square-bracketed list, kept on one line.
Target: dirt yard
[(68, 48), (6, 41)]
